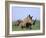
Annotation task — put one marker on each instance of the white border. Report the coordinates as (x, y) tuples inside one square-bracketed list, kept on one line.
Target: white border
[(24, 32)]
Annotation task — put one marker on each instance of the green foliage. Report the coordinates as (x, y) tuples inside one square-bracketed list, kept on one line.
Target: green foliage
[(18, 28)]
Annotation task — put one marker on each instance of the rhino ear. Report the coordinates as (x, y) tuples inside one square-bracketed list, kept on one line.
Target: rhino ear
[(29, 15)]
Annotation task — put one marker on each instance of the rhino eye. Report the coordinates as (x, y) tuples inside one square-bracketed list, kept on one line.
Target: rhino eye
[(30, 17)]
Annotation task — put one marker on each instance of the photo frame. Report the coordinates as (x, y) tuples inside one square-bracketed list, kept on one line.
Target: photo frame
[(9, 16)]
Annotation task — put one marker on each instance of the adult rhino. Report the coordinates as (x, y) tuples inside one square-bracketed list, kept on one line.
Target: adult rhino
[(26, 22)]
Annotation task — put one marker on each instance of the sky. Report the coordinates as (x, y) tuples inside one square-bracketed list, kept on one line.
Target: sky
[(21, 12)]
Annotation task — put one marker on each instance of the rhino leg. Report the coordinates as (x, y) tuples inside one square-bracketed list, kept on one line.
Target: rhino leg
[(28, 25)]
